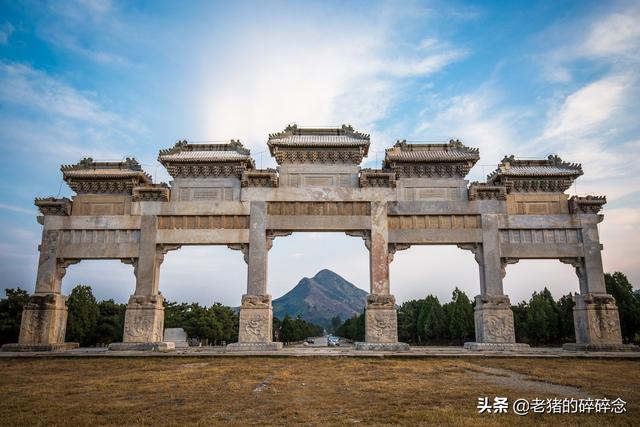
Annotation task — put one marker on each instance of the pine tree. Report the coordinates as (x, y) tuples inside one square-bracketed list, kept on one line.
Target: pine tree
[(461, 325), (83, 315), (431, 321), (628, 303)]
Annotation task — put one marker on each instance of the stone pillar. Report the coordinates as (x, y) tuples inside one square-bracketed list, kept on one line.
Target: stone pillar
[(381, 317), (44, 318), (256, 314), (493, 317), (595, 314), (144, 318)]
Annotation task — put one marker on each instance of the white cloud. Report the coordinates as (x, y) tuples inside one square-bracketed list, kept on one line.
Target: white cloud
[(23, 85), (17, 209), (6, 30)]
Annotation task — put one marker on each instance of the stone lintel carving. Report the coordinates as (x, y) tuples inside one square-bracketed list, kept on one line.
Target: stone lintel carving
[(260, 178), (493, 301), (380, 301), (163, 249), (587, 204), (243, 247), (475, 248), (133, 262), (256, 301), (504, 261), (272, 234), (365, 234), (53, 206), (151, 193), (377, 178), (146, 301), (62, 264), (394, 247), (484, 191)]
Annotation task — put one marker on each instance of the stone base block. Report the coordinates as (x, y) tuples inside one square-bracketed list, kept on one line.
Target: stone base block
[(387, 346), (256, 319), (596, 320), (494, 320), (600, 347), (144, 319), (40, 347), (381, 319), (44, 320), (254, 346), (163, 347), (485, 346)]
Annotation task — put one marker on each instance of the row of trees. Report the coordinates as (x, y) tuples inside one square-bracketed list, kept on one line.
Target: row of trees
[(290, 330), (540, 321)]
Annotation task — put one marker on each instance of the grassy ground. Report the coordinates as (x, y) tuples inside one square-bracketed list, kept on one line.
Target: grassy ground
[(312, 391)]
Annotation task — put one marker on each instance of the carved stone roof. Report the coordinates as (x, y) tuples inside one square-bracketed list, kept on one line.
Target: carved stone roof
[(206, 160), (431, 160), (88, 176), (546, 175), (319, 145)]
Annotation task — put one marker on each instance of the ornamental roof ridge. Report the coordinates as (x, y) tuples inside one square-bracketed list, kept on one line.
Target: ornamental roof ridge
[(184, 145), (452, 145), (87, 163), (344, 130), (553, 165)]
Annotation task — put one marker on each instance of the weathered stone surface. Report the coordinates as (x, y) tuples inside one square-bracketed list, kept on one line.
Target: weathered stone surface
[(484, 346), (177, 336), (44, 320), (142, 346), (27, 348), (596, 320), (254, 346), (494, 320), (256, 317), (376, 346), (600, 347), (381, 324), (144, 319)]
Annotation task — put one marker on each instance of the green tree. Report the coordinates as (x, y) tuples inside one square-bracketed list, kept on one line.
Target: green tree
[(432, 321), (110, 323), (353, 328), (542, 319), (336, 321), (520, 321), (11, 314), (83, 314), (628, 303), (565, 317), (408, 314), (461, 324)]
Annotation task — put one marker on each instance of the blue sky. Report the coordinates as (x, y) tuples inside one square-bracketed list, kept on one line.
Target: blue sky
[(115, 79)]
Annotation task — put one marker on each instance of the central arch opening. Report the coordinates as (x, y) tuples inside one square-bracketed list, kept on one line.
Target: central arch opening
[(320, 277)]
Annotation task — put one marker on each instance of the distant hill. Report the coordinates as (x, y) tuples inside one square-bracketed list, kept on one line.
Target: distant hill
[(320, 298)]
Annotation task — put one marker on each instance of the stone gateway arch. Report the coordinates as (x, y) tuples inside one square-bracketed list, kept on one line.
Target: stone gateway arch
[(418, 197)]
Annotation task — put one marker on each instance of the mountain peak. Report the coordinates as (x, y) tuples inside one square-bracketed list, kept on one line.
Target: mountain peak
[(320, 298)]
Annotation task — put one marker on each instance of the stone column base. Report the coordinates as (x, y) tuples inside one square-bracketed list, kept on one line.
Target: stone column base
[(596, 320), (40, 347), (494, 320), (599, 347), (144, 319), (379, 346), (142, 346), (254, 346), (44, 320), (256, 319), (485, 346), (381, 320)]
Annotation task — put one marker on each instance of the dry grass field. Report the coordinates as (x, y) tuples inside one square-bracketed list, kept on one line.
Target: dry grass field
[(311, 391)]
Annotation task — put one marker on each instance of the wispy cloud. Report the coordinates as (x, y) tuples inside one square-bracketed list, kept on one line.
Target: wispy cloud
[(6, 30), (17, 209)]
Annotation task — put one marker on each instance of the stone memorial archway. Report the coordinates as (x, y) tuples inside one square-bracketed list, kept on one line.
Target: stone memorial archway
[(418, 197)]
